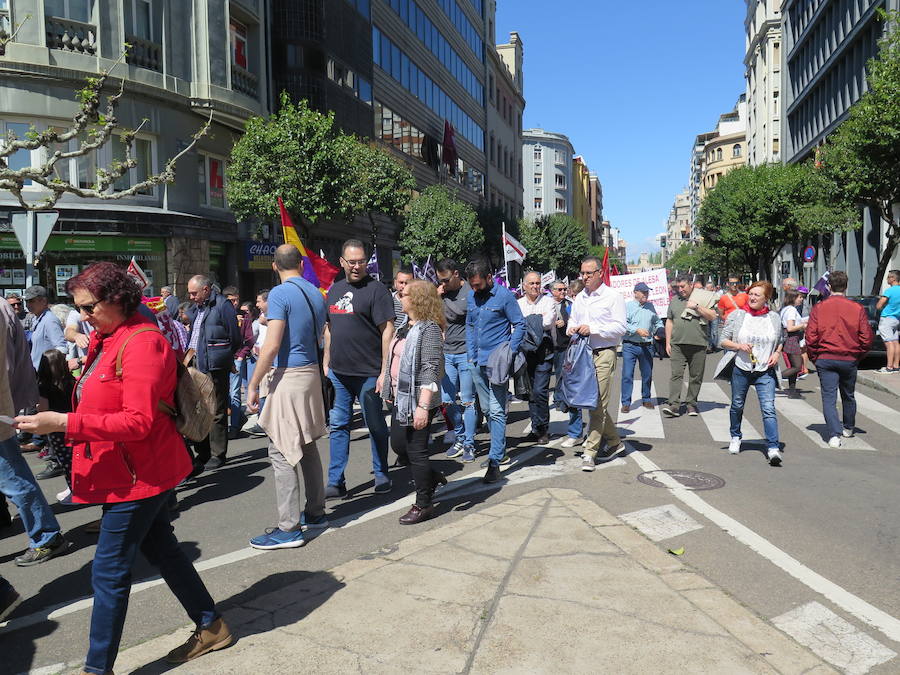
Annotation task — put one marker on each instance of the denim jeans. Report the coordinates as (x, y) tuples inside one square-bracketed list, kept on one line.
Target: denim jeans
[(18, 484), (540, 367), (458, 381), (235, 381), (576, 417), (641, 354), (125, 528), (837, 375), (348, 388), (765, 383), (493, 403)]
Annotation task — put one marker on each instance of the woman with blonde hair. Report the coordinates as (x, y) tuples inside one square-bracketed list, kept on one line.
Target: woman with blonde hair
[(412, 377), (754, 333)]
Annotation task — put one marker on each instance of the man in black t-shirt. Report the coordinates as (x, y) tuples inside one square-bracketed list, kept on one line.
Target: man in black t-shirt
[(357, 338)]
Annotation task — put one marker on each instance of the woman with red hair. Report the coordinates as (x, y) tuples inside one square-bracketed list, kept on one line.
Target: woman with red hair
[(128, 456)]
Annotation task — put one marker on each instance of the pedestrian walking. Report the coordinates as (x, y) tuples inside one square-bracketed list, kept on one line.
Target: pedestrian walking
[(889, 322), (457, 382), (838, 336), (495, 329), (559, 342), (238, 374), (55, 385), (599, 312), (540, 314), (755, 334), (403, 276), (128, 456), (686, 342), (413, 371), (215, 338), (169, 300), (794, 326), (641, 324), (357, 338), (288, 374), (732, 299)]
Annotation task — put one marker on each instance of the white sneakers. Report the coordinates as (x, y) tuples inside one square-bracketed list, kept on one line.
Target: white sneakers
[(774, 455), (64, 497), (588, 463), (570, 442), (834, 442), (735, 446), (847, 433)]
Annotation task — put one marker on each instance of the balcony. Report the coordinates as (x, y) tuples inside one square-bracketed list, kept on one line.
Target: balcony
[(71, 36), (144, 54), (244, 81)]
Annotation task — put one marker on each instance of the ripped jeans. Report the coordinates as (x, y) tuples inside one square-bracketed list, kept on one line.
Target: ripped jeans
[(458, 381)]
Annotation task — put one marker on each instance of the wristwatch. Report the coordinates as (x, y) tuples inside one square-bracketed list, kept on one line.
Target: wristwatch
[(423, 407)]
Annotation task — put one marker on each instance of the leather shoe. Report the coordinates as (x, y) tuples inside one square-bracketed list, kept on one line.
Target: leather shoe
[(648, 405), (214, 462), (52, 470), (215, 636), (417, 515), (626, 408), (492, 475)]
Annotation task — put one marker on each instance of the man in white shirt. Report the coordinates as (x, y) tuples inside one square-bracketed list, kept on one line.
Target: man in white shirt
[(540, 361), (599, 312)]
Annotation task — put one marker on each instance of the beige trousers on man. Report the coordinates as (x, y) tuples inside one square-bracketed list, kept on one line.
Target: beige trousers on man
[(602, 425)]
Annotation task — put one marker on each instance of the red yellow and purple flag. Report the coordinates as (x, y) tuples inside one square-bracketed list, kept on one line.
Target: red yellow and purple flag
[(316, 270)]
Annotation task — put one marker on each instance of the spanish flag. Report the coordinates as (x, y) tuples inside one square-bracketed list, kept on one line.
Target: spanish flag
[(316, 270)]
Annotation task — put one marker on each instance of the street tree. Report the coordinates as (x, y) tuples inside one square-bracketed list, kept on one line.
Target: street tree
[(439, 225), (862, 157), (706, 259), (556, 242), (380, 184), (93, 126), (491, 219)]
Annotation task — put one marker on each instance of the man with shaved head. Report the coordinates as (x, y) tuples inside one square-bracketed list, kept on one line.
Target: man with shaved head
[(540, 362), (215, 338)]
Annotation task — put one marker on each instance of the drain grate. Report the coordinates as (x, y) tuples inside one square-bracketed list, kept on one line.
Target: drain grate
[(692, 480)]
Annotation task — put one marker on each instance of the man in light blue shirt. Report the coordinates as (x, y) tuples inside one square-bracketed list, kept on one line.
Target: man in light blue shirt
[(641, 324), (46, 330)]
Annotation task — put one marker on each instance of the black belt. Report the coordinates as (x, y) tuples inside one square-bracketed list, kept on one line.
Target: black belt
[(600, 349), (633, 342)]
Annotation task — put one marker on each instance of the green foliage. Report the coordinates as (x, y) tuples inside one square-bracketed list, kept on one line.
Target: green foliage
[(861, 157), (441, 226), (754, 211), (556, 242), (380, 183), (705, 258)]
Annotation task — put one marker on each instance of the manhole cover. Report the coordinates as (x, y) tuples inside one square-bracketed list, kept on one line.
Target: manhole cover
[(692, 480)]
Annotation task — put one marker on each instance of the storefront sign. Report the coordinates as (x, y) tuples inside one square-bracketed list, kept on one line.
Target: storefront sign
[(260, 255)]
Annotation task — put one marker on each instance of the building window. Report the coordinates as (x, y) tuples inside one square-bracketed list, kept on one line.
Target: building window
[(736, 150), (141, 11), (493, 157), (537, 153), (560, 180), (77, 10), (142, 153), (238, 44), (776, 145), (718, 154), (560, 204), (560, 156), (538, 179), (211, 174), (538, 204)]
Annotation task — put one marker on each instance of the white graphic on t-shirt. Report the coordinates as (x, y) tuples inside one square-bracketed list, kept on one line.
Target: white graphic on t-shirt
[(344, 305)]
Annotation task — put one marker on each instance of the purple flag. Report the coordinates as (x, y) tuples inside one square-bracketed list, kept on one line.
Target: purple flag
[(372, 266), (429, 273), (417, 272), (822, 286)]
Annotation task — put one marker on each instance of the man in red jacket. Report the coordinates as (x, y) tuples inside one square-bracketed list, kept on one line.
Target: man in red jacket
[(838, 335)]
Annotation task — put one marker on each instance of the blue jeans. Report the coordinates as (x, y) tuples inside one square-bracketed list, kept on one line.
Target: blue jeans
[(765, 384), (348, 388), (235, 381), (642, 354), (540, 367), (125, 528), (576, 417), (833, 376), (493, 403), (458, 381), (18, 484)]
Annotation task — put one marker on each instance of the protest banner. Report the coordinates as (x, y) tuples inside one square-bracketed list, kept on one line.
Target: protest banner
[(655, 279)]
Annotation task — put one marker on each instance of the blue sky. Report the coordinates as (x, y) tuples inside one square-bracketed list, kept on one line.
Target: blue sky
[(631, 84)]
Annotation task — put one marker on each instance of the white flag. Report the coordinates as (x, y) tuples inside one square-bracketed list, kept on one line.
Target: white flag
[(548, 278), (136, 273), (513, 251)]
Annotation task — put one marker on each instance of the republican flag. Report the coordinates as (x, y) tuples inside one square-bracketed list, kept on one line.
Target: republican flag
[(604, 269), (316, 270)]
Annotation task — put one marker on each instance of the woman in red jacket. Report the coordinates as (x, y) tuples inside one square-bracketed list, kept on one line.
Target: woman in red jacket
[(128, 456)]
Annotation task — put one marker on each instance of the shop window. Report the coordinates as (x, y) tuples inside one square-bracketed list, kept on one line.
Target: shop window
[(238, 32), (77, 10)]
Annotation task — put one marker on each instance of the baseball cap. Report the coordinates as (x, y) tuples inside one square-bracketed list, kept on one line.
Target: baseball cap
[(642, 287), (803, 289), (33, 292)]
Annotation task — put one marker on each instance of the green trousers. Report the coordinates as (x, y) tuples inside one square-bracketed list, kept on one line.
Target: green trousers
[(693, 357)]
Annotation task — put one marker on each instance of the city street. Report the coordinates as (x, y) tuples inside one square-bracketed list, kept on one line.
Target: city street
[(810, 547)]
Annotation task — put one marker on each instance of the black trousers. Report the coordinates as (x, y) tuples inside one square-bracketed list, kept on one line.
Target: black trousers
[(411, 446), (216, 444)]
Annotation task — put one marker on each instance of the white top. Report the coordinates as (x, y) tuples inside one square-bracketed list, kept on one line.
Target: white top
[(545, 306), (604, 312), (790, 313), (758, 332)]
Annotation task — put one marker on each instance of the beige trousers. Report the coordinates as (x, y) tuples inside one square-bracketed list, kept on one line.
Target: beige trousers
[(602, 425)]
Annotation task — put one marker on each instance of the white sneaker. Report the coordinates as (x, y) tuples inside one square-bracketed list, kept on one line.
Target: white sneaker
[(847, 433), (735, 446), (64, 497), (450, 437), (774, 455), (834, 442), (570, 442), (588, 463)]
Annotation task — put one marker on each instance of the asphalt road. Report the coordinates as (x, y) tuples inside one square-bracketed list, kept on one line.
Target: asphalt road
[(820, 529)]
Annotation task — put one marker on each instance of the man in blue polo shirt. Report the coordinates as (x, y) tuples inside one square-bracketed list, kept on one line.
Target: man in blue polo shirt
[(641, 324), (493, 321)]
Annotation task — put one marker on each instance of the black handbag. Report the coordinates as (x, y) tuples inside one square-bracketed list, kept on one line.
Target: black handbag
[(327, 384)]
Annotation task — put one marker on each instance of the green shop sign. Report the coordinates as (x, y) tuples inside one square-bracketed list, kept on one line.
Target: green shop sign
[(91, 244)]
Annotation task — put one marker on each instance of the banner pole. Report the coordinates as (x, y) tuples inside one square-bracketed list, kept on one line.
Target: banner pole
[(505, 261)]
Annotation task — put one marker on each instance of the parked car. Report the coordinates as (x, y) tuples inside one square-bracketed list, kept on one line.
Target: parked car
[(870, 302)]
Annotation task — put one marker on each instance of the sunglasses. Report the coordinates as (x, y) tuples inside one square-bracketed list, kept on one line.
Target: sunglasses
[(87, 309), (16, 304)]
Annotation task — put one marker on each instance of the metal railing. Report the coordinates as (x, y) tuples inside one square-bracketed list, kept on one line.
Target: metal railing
[(144, 53), (71, 36), (244, 81)]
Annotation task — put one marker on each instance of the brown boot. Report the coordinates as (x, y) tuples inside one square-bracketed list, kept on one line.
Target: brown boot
[(215, 636)]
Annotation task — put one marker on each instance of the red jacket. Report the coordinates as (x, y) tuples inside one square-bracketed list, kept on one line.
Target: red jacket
[(123, 447), (838, 329)]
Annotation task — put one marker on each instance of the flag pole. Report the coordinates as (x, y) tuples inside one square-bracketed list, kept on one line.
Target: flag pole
[(505, 261)]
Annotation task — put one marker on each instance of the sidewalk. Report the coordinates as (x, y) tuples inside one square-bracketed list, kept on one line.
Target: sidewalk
[(889, 384), (546, 582)]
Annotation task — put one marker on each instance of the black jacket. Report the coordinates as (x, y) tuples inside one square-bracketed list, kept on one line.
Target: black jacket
[(220, 337)]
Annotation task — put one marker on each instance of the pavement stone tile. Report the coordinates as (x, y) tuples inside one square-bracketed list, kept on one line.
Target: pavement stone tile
[(684, 580), (434, 583), (449, 556), (353, 569), (500, 538), (565, 494), (500, 510), (641, 549), (535, 497), (566, 536), (437, 535), (591, 513)]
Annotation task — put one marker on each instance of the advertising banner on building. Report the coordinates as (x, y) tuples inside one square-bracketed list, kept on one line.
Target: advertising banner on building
[(655, 279), (260, 255)]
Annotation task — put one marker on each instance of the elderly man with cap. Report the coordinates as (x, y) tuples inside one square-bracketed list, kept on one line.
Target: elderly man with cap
[(641, 324), (46, 331)]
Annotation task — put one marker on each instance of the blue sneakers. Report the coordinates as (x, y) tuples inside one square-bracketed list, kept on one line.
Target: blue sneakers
[(468, 454), (275, 538), (308, 523), (455, 450)]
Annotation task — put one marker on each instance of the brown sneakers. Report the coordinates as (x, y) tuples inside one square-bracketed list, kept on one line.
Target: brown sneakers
[(215, 636)]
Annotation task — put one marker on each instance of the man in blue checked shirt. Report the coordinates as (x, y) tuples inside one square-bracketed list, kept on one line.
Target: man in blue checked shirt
[(493, 320), (641, 324)]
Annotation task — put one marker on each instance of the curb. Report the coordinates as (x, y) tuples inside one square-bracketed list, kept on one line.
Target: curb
[(873, 383)]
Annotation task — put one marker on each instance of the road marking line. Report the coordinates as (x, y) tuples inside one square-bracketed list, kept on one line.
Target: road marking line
[(850, 603), (713, 406), (811, 423), (834, 639), (661, 522), (641, 422)]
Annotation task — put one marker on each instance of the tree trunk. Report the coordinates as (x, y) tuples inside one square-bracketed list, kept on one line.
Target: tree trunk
[(887, 254)]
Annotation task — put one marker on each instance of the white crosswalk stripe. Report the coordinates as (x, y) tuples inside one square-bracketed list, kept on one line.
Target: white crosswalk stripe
[(713, 405), (811, 423), (876, 411), (641, 422)]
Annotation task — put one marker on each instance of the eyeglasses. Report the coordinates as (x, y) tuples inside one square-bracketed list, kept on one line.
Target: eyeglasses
[(87, 309), (16, 304), (588, 274), (354, 263)]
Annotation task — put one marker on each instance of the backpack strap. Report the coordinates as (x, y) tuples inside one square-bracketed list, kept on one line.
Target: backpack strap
[(145, 329)]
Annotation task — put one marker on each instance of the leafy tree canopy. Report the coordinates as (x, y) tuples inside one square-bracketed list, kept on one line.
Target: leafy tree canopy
[(441, 226), (556, 242)]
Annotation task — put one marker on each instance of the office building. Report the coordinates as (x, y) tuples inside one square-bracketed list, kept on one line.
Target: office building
[(762, 63), (547, 159)]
